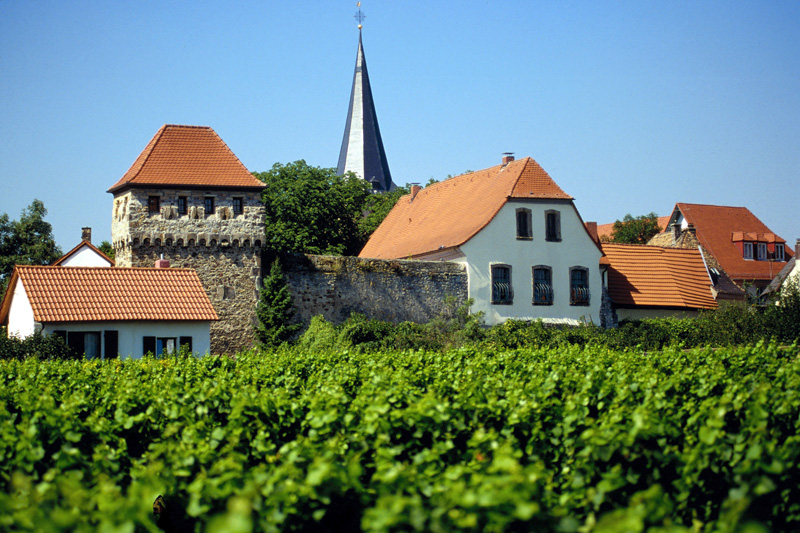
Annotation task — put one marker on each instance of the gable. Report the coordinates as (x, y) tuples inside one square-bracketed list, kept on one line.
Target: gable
[(84, 254), (447, 214)]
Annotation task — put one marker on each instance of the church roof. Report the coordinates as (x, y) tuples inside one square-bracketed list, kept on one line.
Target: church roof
[(187, 156), (449, 213), (362, 147), (86, 294)]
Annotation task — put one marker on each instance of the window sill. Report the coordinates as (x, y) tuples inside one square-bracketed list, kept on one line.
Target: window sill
[(524, 238), (542, 303), (502, 303), (583, 304), (553, 240)]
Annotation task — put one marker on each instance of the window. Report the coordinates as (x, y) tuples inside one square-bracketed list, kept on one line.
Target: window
[(238, 209), (501, 285), (780, 253), (579, 286), (154, 205), (84, 343), (747, 251), (762, 251), (208, 203), (552, 224), (524, 229), (183, 205), (159, 346), (542, 285)]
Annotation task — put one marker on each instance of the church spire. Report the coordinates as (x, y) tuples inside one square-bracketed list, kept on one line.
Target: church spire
[(362, 148)]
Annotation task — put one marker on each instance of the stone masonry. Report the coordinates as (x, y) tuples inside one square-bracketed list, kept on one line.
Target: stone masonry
[(224, 249)]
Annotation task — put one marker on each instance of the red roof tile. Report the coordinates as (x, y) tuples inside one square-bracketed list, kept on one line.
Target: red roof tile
[(651, 276), (449, 213), (90, 294), (187, 156), (718, 227)]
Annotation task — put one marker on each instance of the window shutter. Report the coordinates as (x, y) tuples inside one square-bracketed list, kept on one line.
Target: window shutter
[(149, 345), (111, 342), (186, 341)]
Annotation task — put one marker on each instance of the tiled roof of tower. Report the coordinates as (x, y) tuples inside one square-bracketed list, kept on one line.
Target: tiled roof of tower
[(187, 156), (651, 276), (90, 294), (718, 227), (449, 213)]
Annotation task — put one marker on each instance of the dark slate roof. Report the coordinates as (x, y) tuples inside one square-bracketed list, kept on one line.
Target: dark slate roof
[(362, 147)]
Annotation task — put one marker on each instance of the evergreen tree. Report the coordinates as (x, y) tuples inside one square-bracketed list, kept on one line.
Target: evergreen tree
[(275, 310)]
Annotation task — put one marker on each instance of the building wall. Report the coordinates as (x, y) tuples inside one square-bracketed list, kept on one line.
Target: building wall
[(131, 334), (86, 257), (391, 290), (224, 249), (497, 243), (20, 314)]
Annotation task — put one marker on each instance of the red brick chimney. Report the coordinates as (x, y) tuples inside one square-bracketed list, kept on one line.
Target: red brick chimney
[(162, 263), (508, 157), (414, 191)]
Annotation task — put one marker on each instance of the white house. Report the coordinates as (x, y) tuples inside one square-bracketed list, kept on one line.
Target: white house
[(527, 251), (85, 254), (106, 312)]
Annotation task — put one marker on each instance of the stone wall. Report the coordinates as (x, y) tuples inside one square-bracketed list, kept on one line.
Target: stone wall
[(390, 290), (231, 276)]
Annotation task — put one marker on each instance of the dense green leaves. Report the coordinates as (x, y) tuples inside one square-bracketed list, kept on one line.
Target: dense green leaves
[(27, 241), (275, 310), (569, 439), (635, 230)]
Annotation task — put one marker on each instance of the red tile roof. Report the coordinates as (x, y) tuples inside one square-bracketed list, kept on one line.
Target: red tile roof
[(651, 276), (187, 156), (718, 227), (75, 250), (90, 294), (449, 213)]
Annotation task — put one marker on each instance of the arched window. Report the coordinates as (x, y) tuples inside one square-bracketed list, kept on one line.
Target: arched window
[(579, 286), (524, 227), (502, 292), (542, 285), (552, 224)]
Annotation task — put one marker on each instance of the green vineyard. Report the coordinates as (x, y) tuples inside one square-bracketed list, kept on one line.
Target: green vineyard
[(567, 440)]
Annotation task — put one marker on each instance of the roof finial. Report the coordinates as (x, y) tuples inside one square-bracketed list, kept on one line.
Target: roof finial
[(359, 15)]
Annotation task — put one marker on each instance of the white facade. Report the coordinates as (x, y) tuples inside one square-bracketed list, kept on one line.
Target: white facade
[(497, 244), (85, 257), (20, 314)]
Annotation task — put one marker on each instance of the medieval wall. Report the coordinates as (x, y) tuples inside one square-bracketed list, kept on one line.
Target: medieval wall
[(390, 290), (224, 248)]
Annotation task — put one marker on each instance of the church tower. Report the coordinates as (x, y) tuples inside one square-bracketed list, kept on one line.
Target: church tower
[(362, 148)]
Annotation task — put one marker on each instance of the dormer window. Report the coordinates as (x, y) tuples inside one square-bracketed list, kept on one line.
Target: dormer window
[(747, 251), (780, 252), (761, 249), (524, 229)]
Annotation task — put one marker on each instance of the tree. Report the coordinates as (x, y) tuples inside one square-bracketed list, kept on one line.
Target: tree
[(275, 310), (637, 230), (312, 210), (27, 241), (107, 249), (376, 207)]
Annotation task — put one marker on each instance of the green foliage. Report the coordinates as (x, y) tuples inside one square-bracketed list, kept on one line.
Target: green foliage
[(107, 249), (27, 241), (37, 346), (540, 439), (783, 314), (376, 207), (275, 310), (638, 230), (312, 210)]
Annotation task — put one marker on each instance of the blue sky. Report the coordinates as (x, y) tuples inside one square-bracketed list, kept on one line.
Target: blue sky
[(630, 106)]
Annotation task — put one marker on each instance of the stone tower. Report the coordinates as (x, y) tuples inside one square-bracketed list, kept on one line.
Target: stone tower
[(188, 199), (362, 147)]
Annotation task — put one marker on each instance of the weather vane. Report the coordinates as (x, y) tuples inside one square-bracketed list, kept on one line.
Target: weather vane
[(359, 15)]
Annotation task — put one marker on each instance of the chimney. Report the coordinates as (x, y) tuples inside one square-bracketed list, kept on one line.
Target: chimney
[(162, 263), (86, 234), (690, 229), (508, 157), (415, 188), (591, 227), (676, 231)]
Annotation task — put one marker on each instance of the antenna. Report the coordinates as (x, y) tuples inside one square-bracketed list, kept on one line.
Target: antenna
[(359, 16)]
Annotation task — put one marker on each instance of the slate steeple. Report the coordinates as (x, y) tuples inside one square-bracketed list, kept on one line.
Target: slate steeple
[(362, 148)]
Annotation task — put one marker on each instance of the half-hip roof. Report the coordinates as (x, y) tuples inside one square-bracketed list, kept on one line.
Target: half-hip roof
[(718, 227), (449, 213), (187, 156), (651, 276), (91, 294)]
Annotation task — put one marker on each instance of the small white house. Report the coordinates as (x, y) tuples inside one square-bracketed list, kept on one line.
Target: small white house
[(109, 312), (85, 254), (527, 251)]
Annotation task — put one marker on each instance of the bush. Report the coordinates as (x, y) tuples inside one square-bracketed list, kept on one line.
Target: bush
[(36, 346)]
